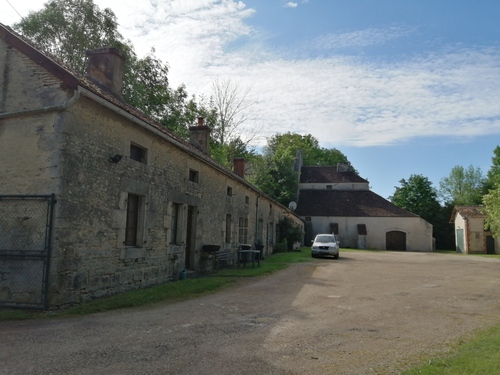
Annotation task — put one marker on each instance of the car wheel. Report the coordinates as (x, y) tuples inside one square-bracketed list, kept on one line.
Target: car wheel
[(313, 256), (336, 256)]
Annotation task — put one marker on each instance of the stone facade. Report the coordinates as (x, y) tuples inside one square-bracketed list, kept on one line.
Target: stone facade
[(135, 204)]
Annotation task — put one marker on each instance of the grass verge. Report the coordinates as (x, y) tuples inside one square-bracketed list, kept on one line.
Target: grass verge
[(168, 292), (477, 356)]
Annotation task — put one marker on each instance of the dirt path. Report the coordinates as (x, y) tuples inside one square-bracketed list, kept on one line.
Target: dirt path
[(366, 313)]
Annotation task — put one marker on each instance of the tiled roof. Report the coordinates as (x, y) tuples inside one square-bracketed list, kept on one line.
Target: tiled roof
[(350, 203), (469, 211), (72, 79), (328, 174)]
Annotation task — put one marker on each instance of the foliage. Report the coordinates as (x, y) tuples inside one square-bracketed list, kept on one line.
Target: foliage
[(491, 203), (66, 29), (291, 232), (491, 200), (417, 196), (463, 187), (281, 246), (224, 154), (276, 171), (493, 175)]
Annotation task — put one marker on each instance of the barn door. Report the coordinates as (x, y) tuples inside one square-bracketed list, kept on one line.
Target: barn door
[(395, 240)]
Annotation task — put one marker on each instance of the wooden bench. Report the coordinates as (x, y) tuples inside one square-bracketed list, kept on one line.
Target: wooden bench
[(224, 258)]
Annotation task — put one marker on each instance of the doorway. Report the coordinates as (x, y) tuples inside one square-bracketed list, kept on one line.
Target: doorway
[(395, 240), (189, 260)]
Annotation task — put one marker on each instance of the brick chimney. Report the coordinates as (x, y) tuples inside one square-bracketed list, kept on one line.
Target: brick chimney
[(106, 67), (239, 167), (200, 136)]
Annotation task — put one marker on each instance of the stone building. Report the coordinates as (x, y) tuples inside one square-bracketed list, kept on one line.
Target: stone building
[(334, 199), (96, 198)]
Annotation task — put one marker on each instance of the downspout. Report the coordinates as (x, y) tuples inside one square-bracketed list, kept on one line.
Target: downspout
[(54, 108)]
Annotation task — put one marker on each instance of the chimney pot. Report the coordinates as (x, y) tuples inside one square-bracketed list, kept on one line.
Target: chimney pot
[(200, 121)]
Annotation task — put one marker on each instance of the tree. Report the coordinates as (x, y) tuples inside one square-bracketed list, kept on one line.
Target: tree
[(493, 175), (274, 171), (66, 29), (418, 196), (463, 187), (233, 108), (491, 200), (491, 203)]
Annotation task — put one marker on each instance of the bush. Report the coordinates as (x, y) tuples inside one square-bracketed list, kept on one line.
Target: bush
[(281, 247)]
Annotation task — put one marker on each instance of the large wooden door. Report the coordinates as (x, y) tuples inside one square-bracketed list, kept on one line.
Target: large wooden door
[(395, 240)]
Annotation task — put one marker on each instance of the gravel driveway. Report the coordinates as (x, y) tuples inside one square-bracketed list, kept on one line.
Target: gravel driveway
[(366, 313)]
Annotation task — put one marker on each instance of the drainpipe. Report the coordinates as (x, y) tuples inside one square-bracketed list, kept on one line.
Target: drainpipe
[(54, 108)]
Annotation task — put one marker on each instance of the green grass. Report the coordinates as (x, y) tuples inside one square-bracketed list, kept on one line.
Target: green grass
[(476, 356), (168, 292)]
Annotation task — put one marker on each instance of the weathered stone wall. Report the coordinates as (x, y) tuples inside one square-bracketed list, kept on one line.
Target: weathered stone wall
[(68, 153), (28, 146), (92, 205)]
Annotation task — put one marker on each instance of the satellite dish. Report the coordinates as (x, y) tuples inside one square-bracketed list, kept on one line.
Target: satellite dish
[(292, 205)]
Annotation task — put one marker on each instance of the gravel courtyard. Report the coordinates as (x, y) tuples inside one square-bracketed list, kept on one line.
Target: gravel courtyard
[(365, 313)]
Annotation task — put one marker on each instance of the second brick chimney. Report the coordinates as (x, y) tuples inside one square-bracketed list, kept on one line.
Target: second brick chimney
[(106, 67), (239, 166)]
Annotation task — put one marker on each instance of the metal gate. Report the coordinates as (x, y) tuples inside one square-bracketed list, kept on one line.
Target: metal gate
[(25, 238)]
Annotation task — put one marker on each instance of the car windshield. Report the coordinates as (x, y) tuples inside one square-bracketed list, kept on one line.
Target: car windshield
[(324, 239)]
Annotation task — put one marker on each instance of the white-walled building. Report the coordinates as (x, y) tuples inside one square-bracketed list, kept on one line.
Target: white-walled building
[(470, 235), (333, 199)]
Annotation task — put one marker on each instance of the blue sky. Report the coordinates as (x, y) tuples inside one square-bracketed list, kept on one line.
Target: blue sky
[(400, 87)]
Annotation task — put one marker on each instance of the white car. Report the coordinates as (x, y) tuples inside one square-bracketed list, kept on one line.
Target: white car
[(325, 244)]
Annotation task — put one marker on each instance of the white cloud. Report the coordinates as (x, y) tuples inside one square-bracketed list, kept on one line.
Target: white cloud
[(291, 5), (338, 99), (361, 38)]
